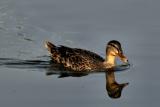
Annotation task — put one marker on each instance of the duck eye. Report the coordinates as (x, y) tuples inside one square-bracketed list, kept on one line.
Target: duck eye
[(116, 47)]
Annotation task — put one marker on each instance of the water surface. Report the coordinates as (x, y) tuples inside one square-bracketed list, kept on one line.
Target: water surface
[(88, 24)]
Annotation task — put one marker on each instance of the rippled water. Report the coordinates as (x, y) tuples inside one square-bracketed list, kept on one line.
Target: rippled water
[(87, 24)]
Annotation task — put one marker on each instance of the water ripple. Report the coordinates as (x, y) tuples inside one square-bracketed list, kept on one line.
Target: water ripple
[(43, 64)]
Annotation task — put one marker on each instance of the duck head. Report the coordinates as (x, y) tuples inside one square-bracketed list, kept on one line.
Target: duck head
[(114, 89), (114, 50)]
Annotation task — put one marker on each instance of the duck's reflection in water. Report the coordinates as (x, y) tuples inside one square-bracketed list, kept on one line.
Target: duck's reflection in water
[(113, 88)]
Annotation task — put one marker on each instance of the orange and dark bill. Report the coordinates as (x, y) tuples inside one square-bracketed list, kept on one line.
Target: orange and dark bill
[(123, 58)]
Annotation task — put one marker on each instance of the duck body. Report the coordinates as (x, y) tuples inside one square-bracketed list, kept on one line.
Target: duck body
[(83, 60), (75, 59)]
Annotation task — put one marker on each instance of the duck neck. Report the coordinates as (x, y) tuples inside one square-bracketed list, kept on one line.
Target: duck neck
[(110, 59), (110, 77)]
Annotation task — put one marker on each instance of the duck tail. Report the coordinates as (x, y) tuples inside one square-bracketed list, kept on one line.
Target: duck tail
[(51, 47)]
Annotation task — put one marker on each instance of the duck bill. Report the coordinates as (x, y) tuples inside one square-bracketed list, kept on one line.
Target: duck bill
[(125, 84), (123, 58)]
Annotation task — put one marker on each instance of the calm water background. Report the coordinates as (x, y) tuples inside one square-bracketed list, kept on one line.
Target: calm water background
[(88, 24)]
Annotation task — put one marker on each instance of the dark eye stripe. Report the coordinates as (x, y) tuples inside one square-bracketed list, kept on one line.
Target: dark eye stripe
[(115, 47)]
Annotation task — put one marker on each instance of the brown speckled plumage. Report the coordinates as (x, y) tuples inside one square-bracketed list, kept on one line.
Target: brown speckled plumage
[(76, 59)]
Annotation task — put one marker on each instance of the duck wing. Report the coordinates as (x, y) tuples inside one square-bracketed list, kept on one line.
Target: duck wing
[(74, 58), (67, 52), (78, 59)]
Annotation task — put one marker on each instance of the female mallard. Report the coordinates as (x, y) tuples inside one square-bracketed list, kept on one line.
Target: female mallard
[(83, 60)]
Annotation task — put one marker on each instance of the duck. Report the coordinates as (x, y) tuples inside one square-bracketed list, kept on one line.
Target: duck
[(114, 89), (79, 60)]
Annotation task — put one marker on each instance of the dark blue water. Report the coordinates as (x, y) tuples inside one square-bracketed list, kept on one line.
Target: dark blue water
[(87, 24)]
